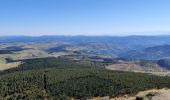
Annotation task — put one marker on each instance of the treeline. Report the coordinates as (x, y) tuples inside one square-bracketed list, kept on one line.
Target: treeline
[(60, 79), (45, 63)]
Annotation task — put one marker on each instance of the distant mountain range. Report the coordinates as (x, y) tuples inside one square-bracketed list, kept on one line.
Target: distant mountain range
[(150, 53), (127, 41), (131, 47)]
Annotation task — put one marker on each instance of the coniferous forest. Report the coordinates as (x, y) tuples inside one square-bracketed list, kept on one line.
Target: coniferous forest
[(60, 79)]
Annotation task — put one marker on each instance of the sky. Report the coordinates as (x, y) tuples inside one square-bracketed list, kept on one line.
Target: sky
[(84, 17)]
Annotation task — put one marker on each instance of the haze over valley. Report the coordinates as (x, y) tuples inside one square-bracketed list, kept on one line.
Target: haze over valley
[(135, 53)]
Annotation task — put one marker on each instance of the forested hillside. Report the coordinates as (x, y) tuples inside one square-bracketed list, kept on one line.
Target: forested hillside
[(164, 63), (61, 79), (150, 53)]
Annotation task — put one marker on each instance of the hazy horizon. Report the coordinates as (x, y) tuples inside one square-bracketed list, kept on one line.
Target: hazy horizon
[(122, 35)]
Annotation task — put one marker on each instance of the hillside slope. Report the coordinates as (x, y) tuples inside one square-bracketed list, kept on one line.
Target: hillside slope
[(150, 53), (63, 79), (137, 66)]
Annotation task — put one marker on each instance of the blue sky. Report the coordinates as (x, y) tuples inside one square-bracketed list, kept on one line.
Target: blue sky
[(84, 17)]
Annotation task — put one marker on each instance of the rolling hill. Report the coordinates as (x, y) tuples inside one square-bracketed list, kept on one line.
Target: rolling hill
[(150, 53), (128, 46), (164, 63)]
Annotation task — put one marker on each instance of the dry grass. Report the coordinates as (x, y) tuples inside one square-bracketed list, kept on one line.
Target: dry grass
[(26, 54), (4, 66), (125, 67), (162, 94), (154, 94), (133, 67)]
